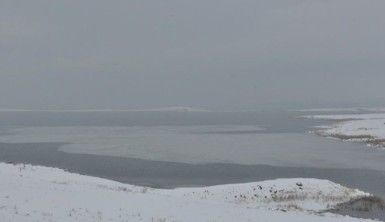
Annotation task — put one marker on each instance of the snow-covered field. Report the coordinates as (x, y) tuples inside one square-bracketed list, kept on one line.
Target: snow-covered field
[(368, 128), (34, 193)]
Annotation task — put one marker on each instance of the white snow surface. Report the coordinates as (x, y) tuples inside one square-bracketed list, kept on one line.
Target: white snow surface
[(34, 193), (352, 109), (368, 128)]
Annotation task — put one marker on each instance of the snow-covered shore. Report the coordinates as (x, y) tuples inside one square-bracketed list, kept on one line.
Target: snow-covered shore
[(368, 128), (336, 110), (34, 193)]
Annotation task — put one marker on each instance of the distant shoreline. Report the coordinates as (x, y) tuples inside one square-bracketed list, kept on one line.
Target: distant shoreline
[(364, 128)]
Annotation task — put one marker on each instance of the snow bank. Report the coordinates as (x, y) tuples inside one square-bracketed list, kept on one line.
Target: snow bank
[(368, 128), (33, 193), (353, 109)]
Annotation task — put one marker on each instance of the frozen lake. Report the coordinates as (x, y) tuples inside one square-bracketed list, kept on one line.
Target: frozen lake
[(169, 149)]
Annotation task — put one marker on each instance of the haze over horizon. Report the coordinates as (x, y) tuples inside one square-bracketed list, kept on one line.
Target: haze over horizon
[(211, 54)]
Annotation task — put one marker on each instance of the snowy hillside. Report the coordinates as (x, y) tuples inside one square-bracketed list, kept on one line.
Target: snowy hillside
[(33, 193)]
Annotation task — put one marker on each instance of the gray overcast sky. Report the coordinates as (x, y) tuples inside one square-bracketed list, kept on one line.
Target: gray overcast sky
[(74, 54)]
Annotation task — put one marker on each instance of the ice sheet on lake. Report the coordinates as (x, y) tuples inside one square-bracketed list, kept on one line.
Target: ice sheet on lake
[(203, 144)]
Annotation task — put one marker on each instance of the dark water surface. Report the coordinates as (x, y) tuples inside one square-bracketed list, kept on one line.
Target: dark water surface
[(273, 120)]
